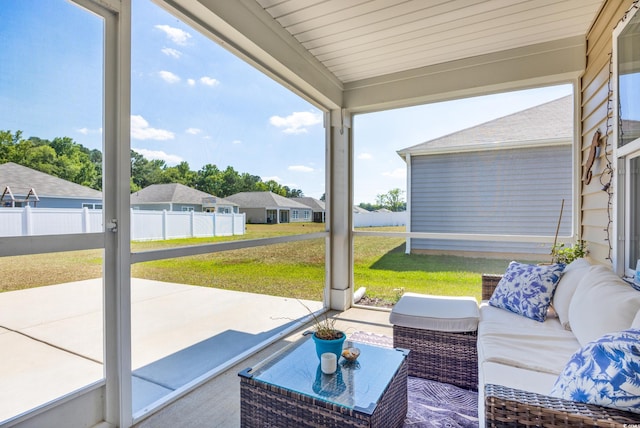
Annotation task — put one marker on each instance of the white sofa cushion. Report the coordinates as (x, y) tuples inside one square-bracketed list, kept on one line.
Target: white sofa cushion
[(505, 320), (565, 289), (512, 340), (516, 377), (602, 303), (513, 377), (439, 313), (636, 321)]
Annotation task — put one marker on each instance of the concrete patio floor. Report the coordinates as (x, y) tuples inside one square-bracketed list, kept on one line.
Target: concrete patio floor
[(51, 338), (216, 403)]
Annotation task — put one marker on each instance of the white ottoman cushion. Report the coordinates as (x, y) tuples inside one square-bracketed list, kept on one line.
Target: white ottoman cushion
[(439, 313)]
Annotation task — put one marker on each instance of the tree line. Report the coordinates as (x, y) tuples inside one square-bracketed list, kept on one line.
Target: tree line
[(64, 158), (392, 200)]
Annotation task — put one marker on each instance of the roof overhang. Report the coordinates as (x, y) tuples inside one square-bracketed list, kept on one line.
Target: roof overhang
[(483, 147), (559, 61), (533, 58)]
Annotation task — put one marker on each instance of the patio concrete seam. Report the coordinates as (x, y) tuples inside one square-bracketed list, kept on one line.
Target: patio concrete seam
[(51, 345)]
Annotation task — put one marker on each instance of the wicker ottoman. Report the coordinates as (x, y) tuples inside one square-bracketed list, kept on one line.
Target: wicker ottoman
[(441, 333)]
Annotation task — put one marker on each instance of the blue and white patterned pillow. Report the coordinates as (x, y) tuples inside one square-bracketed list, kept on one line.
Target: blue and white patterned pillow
[(527, 289), (605, 372)]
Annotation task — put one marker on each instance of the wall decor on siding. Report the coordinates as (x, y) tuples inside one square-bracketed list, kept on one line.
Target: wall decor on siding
[(595, 143)]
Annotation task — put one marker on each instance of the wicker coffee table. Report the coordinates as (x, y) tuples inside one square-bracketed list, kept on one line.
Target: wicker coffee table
[(289, 390)]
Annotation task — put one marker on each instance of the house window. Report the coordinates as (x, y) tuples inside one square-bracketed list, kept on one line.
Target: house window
[(294, 214), (627, 64), (92, 206), (307, 215), (187, 209)]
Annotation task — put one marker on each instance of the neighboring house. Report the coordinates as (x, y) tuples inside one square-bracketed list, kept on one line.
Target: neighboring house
[(317, 207), (359, 210), (178, 197), (629, 130), (267, 207), (487, 180), (22, 186)]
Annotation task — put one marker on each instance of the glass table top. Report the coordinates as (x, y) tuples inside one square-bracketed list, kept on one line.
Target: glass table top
[(356, 385)]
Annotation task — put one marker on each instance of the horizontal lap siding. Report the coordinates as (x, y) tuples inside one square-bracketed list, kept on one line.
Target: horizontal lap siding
[(595, 90), (501, 192)]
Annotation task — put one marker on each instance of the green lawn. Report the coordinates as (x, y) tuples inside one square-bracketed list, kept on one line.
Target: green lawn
[(382, 266), (293, 269)]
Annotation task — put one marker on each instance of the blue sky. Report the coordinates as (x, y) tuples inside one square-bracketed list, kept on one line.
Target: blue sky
[(193, 101)]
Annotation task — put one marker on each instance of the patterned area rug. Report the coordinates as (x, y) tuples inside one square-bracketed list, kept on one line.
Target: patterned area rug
[(431, 404)]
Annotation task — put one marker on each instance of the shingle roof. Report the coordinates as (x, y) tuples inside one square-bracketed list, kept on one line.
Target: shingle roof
[(173, 193), (313, 203), (552, 121), (21, 178), (264, 200)]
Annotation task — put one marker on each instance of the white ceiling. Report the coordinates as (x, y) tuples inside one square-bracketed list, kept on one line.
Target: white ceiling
[(367, 55), (360, 39)]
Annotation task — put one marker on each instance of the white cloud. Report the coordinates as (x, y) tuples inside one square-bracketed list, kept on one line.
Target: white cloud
[(236, 142), (297, 122), (209, 81), (274, 178), (159, 154), (396, 173), (191, 82), (176, 35), (168, 76), (365, 156), (87, 131), (193, 131), (140, 130), (172, 52), (300, 168)]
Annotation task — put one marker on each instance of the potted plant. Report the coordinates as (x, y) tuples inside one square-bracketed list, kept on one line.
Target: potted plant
[(565, 255), (325, 335)]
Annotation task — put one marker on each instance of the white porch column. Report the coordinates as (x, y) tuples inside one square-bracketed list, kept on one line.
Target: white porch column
[(116, 206), (407, 249), (339, 208)]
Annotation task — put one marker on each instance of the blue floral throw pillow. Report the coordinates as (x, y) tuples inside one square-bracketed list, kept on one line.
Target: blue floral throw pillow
[(527, 289), (605, 372)]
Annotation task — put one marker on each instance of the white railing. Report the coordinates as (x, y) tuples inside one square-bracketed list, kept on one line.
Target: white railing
[(145, 225), (380, 219)]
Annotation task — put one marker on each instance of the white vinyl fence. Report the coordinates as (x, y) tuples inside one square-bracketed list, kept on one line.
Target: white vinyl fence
[(380, 219), (145, 225)]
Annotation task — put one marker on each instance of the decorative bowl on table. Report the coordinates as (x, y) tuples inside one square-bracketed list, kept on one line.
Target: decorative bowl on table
[(350, 354)]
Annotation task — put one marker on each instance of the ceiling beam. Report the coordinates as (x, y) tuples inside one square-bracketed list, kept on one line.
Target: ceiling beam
[(559, 61)]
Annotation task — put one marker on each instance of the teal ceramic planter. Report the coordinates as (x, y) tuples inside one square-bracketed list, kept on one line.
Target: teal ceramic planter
[(333, 346)]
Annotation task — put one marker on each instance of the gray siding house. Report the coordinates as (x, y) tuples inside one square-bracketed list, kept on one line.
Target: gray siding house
[(178, 197), (487, 180), (268, 207), (317, 207), (47, 191)]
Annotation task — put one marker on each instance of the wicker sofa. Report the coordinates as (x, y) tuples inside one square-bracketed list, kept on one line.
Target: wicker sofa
[(519, 359)]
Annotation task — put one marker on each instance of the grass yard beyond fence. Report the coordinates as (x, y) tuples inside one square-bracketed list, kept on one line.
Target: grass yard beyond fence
[(295, 269)]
